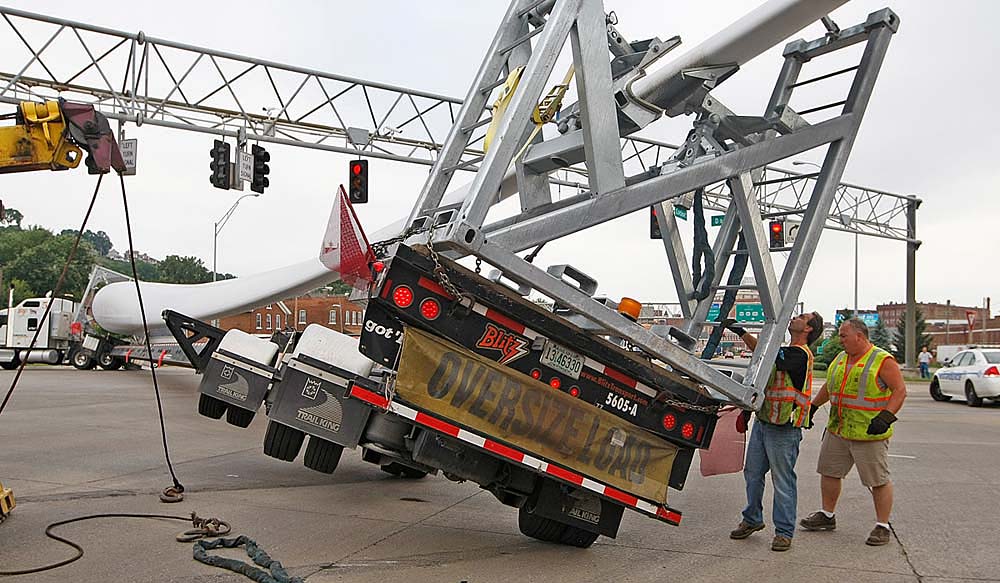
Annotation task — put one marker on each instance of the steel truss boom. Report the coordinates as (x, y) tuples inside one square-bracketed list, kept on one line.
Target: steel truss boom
[(132, 77)]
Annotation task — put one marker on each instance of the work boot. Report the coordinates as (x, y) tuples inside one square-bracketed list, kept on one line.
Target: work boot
[(818, 521), (781, 543), (878, 537), (744, 530)]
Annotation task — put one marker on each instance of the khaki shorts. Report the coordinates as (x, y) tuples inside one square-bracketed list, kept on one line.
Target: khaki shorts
[(837, 455)]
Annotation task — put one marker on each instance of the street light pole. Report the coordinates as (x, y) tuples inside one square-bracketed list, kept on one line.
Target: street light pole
[(219, 224), (853, 220)]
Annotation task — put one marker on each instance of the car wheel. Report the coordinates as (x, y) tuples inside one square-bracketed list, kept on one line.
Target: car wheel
[(239, 417), (537, 527), (82, 361), (322, 455), (211, 407), (971, 399), (108, 362), (936, 393), (282, 441)]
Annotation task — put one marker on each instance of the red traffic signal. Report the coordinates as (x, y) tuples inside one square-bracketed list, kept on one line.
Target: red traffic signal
[(777, 237), (357, 185)]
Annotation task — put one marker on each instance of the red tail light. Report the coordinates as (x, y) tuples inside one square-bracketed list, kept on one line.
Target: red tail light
[(669, 421), (536, 374), (687, 430), (555, 383), (574, 391), (430, 309), (992, 372), (402, 296)]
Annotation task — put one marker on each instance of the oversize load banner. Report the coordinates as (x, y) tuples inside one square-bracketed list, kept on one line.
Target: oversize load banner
[(507, 405)]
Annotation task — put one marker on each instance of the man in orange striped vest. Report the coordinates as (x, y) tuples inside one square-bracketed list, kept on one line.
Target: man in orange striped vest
[(865, 388), (774, 440)]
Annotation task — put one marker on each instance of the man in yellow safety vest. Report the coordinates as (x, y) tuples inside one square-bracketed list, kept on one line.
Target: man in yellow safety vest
[(774, 440), (865, 388)]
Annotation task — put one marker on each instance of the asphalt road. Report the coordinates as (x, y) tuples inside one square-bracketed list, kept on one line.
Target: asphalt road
[(75, 443)]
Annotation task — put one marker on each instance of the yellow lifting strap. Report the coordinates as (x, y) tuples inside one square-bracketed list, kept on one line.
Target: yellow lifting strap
[(548, 108), (42, 113), (500, 105)]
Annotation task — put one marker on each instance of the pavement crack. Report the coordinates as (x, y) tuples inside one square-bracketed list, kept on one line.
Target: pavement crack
[(906, 555)]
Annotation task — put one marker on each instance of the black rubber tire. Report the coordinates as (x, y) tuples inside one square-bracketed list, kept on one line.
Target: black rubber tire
[(971, 399), (211, 407), (282, 442), (239, 417), (12, 365), (82, 361), (936, 393), (577, 537), (322, 455), (543, 529), (398, 469), (108, 362)]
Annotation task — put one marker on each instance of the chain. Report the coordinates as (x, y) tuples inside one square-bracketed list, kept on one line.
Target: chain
[(686, 405), (479, 265), (380, 248), (390, 387), (442, 276)]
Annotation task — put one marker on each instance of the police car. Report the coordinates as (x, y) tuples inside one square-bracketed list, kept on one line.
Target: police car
[(972, 375)]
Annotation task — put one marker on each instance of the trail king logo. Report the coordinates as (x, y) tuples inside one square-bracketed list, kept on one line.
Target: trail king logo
[(511, 346)]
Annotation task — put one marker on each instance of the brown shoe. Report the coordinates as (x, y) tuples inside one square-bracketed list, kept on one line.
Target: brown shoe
[(744, 530), (818, 521), (781, 543), (879, 536)]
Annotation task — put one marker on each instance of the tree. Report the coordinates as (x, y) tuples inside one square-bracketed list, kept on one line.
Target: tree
[(177, 269), (831, 348), (21, 292), (923, 339), (12, 217), (881, 337), (99, 240), (39, 266)]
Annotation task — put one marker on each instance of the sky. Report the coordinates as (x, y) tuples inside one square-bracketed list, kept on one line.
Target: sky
[(928, 132)]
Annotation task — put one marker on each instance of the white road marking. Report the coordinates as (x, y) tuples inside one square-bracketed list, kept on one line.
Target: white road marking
[(905, 457)]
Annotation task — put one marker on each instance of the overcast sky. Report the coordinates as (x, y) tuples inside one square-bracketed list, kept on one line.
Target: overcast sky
[(930, 131)]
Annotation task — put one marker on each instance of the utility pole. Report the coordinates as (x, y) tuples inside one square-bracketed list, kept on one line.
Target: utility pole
[(947, 321), (910, 343)]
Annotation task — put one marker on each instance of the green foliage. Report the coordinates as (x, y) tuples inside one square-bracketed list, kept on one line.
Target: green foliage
[(881, 337), (923, 339), (146, 271), (820, 366), (831, 349), (35, 257), (21, 292), (99, 240), (177, 269)]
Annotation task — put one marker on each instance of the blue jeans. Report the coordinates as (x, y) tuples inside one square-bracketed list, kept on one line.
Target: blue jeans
[(925, 370), (773, 448)]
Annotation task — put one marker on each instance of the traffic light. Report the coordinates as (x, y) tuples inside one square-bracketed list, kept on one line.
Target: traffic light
[(777, 235), (259, 181), (357, 190), (654, 227), (219, 165)]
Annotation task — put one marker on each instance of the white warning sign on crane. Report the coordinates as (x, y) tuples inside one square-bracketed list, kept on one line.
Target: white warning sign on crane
[(129, 148)]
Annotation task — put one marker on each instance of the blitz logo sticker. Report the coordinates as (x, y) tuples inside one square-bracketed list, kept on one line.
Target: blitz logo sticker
[(227, 372), (511, 346), (311, 389)]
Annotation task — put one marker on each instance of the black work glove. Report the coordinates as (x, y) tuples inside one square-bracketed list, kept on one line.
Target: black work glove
[(743, 421), (812, 415), (880, 424), (730, 324)]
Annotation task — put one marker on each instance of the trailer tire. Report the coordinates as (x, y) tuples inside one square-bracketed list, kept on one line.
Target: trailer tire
[(81, 360), (537, 527), (211, 407), (398, 469), (578, 537), (282, 442), (10, 365), (322, 455), (108, 362), (239, 417)]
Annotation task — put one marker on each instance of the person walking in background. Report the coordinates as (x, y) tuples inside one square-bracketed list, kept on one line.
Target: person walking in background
[(866, 390), (924, 359), (774, 440)]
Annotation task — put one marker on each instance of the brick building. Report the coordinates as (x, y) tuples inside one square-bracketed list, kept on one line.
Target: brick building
[(334, 312), (933, 313)]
